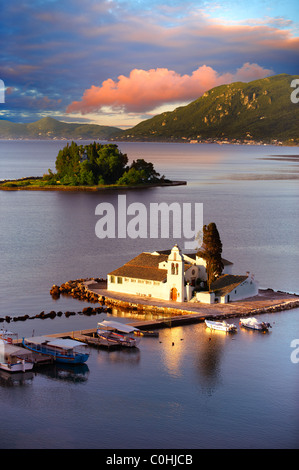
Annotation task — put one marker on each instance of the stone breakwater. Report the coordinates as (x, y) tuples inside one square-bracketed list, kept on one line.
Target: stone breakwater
[(75, 289), (94, 290)]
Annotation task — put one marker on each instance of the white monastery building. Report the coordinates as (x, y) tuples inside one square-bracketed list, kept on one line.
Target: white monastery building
[(171, 275)]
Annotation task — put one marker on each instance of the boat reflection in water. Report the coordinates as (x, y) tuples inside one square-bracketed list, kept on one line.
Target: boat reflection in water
[(77, 373), (17, 379)]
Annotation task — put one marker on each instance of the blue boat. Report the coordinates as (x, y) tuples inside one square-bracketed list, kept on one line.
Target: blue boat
[(67, 351)]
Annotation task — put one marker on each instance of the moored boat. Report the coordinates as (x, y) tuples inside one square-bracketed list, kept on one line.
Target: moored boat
[(107, 339), (119, 332), (8, 336), (14, 358), (221, 326), (154, 334), (67, 351), (253, 324), (20, 365)]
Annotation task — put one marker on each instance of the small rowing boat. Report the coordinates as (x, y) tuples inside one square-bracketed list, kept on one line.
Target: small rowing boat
[(120, 332), (154, 334), (107, 339), (221, 326)]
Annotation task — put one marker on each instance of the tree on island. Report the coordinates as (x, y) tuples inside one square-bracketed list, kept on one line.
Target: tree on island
[(211, 251), (99, 164), (140, 172)]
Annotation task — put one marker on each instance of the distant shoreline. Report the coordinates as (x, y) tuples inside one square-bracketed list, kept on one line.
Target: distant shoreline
[(210, 140), (23, 187)]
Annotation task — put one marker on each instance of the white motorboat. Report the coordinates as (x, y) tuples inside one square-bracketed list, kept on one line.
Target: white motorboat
[(221, 326), (19, 366), (119, 332), (7, 336), (253, 324), (14, 358)]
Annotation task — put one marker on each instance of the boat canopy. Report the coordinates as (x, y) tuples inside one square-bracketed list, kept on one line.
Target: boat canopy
[(9, 350), (55, 342), (39, 339), (115, 325), (65, 343)]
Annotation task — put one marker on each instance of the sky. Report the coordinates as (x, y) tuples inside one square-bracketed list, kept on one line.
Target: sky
[(118, 62)]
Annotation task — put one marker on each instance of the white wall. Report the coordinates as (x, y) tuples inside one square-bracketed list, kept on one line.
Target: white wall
[(205, 297), (248, 288), (154, 289)]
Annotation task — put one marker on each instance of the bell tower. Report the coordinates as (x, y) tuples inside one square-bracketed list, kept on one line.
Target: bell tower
[(176, 275)]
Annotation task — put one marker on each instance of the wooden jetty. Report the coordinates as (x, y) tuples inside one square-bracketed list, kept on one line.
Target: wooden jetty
[(89, 336)]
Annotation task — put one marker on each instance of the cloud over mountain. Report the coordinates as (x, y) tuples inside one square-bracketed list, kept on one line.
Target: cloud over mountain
[(110, 55), (144, 90)]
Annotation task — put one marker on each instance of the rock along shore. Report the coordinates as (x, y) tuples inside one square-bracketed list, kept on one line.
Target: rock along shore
[(95, 291)]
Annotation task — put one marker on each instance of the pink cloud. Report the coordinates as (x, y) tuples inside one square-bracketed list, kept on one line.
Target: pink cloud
[(144, 90)]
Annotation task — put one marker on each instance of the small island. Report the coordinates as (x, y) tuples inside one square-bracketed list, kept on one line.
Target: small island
[(92, 167)]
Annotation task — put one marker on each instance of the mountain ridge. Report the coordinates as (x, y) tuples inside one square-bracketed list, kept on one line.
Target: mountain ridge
[(50, 128), (240, 112), (260, 110)]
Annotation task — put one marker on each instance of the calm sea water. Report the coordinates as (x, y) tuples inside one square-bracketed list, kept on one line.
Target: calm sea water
[(205, 391)]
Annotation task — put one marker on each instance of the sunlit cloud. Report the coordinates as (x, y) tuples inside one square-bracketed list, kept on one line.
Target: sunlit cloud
[(124, 58), (144, 90)]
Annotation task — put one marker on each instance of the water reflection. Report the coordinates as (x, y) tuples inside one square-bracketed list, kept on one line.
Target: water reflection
[(127, 356), (7, 379), (140, 316), (68, 373), (210, 358), (173, 350)]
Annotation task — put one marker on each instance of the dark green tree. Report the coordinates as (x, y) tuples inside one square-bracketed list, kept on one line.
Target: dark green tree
[(90, 164), (211, 251), (111, 163), (97, 164), (139, 172), (147, 168)]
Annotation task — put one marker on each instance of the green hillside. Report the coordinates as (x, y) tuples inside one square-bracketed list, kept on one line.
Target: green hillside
[(49, 128), (260, 111)]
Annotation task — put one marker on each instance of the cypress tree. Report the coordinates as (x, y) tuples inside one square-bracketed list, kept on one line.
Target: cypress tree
[(211, 251)]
